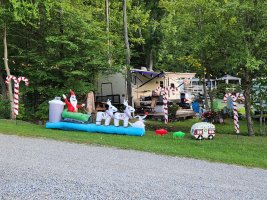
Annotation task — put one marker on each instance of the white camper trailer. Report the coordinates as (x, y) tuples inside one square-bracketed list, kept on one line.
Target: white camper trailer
[(144, 84)]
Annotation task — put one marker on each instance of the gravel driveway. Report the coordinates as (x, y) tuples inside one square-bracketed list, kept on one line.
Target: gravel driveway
[(47, 169)]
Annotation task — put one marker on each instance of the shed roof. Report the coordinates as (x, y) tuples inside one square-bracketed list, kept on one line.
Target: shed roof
[(228, 77)]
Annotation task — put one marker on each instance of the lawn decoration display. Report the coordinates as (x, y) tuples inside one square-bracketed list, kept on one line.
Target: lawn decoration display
[(203, 130), (72, 104), (124, 116), (107, 116), (165, 91), (75, 116), (136, 129), (140, 123), (234, 97), (178, 134), (56, 107), (161, 132), (16, 91)]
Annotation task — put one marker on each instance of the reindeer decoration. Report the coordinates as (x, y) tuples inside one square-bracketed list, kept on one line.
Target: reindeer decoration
[(124, 116), (140, 123), (106, 115)]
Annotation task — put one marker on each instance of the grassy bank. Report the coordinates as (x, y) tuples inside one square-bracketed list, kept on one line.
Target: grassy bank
[(226, 148)]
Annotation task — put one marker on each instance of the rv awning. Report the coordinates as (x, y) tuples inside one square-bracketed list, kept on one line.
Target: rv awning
[(148, 73)]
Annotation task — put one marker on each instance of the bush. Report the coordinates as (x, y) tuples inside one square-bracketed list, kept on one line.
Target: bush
[(22, 113), (5, 108), (42, 111), (172, 109)]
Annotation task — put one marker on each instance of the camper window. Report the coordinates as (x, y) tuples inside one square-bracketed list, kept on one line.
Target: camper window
[(161, 84)]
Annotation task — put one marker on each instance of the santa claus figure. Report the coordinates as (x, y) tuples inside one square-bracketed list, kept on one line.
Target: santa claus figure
[(72, 104)]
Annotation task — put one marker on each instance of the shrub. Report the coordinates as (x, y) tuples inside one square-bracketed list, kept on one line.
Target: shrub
[(5, 108), (172, 109), (42, 111)]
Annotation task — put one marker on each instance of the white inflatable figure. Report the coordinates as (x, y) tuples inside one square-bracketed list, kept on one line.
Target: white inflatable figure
[(106, 115), (140, 123), (124, 116)]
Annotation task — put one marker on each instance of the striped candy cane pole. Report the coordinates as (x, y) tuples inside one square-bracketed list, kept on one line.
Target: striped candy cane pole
[(165, 104), (234, 98), (16, 91), (165, 92)]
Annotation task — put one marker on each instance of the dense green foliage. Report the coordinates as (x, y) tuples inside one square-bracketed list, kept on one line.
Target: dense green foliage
[(66, 44), (224, 148)]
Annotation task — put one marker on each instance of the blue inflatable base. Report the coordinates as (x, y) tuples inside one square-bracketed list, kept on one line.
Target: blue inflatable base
[(120, 130)]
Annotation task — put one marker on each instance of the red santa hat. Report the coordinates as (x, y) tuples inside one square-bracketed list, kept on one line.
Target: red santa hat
[(72, 93)]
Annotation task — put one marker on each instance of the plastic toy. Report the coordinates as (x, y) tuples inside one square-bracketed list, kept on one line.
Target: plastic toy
[(16, 90), (106, 115), (161, 132), (124, 116), (178, 134), (203, 130)]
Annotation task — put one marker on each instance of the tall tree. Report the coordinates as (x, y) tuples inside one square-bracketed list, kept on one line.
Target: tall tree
[(10, 93), (246, 44), (127, 53), (191, 31)]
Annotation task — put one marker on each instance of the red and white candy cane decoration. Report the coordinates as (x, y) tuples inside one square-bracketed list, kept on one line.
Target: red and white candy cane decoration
[(165, 91), (234, 97), (16, 90)]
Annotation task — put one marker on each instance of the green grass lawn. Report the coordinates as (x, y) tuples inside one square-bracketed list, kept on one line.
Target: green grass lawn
[(226, 148)]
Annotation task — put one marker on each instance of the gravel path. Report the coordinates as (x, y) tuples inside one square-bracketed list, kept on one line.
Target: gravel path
[(46, 169)]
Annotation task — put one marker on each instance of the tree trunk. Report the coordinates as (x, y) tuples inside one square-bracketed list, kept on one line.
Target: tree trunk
[(206, 103), (107, 29), (261, 116), (150, 60), (128, 61), (9, 86), (247, 92), (61, 30), (210, 93), (141, 36)]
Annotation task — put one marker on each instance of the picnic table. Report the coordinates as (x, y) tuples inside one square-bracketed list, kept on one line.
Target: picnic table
[(185, 113)]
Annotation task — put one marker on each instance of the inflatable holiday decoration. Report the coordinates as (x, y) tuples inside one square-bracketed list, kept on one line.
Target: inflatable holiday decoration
[(56, 108), (107, 116), (16, 91), (72, 104), (124, 116), (140, 123)]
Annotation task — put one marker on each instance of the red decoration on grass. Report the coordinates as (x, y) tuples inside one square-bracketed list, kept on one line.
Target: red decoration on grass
[(161, 132)]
